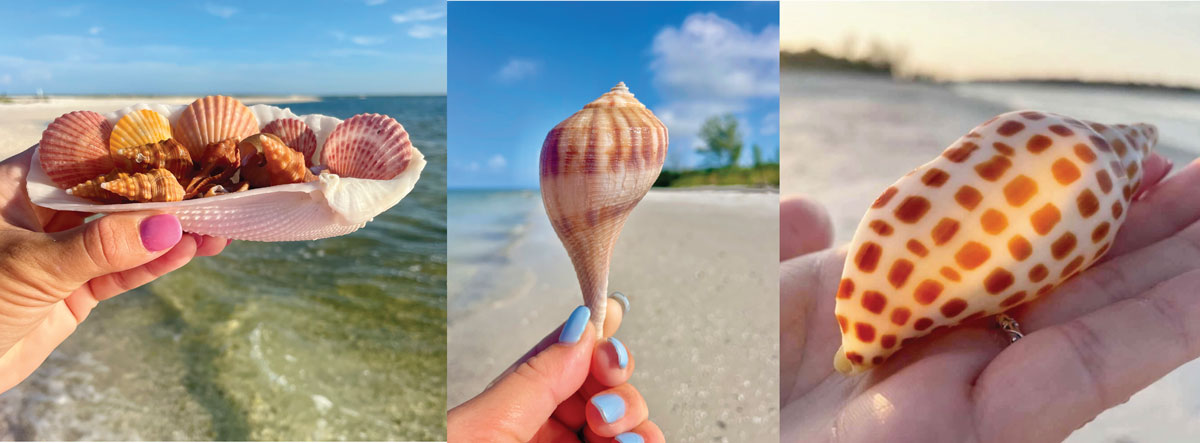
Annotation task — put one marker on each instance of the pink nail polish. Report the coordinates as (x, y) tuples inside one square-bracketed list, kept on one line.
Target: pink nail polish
[(160, 232), (199, 239)]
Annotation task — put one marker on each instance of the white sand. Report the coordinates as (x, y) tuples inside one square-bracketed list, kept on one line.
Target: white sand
[(22, 122), (700, 270)]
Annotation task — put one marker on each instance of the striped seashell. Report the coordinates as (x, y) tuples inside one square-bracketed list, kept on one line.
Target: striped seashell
[(137, 128), (1007, 213), (74, 148), (158, 185), (370, 146), (167, 154), (267, 161), (296, 135), (92, 190), (595, 167), (212, 119)]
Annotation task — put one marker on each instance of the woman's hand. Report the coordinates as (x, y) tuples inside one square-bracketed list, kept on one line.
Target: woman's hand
[(1088, 346), (54, 268), (570, 384)]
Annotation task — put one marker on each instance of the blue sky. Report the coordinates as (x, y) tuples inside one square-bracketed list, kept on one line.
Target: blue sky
[(233, 47), (517, 69)]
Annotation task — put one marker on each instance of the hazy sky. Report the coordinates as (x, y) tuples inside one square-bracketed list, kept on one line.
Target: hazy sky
[(517, 69), (224, 46), (1156, 42)]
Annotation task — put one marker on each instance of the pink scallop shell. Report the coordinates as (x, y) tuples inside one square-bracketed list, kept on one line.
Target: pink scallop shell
[(74, 148), (369, 146), (296, 135), (212, 119)]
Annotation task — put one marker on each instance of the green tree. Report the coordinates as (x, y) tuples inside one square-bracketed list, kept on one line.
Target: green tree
[(757, 151), (722, 140)]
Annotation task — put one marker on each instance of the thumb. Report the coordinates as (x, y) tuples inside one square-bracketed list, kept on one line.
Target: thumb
[(516, 406), (109, 244)]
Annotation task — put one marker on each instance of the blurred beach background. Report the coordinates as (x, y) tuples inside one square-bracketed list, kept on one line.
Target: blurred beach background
[(696, 257), (871, 91), (335, 339)]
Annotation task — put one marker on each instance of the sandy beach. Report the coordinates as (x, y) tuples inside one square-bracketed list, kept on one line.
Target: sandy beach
[(23, 120), (699, 269)]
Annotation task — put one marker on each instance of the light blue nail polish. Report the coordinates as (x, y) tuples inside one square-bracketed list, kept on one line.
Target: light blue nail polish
[(573, 328), (630, 437), (620, 298), (622, 354), (611, 407)]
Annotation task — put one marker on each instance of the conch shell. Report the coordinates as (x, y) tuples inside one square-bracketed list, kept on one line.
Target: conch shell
[(267, 161), (158, 185), (220, 160), (93, 190), (167, 154), (1007, 213), (296, 134), (595, 167)]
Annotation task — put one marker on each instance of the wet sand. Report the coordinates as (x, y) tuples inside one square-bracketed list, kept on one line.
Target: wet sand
[(700, 271)]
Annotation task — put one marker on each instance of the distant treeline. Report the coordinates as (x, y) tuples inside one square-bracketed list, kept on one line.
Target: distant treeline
[(761, 176), (1093, 83), (814, 59)]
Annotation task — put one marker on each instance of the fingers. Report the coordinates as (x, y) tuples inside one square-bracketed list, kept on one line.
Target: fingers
[(517, 406), (616, 410), (804, 227), (1067, 374), (647, 432), (207, 246), (1154, 169), (612, 363), (110, 244), (615, 309), (1164, 210), (554, 432)]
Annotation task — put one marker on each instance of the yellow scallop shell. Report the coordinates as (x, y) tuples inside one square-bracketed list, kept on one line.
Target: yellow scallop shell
[(137, 128)]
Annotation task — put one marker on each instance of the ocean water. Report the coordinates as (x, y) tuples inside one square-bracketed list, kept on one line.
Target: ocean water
[(486, 224), (846, 137), (335, 339)]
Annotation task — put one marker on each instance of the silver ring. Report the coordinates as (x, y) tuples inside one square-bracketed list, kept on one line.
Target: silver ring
[(1009, 325)]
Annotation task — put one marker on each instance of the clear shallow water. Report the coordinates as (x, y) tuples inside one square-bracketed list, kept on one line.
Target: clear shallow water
[(847, 137), (486, 225), (334, 339)]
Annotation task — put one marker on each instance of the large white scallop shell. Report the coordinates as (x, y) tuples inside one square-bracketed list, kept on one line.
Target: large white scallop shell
[(328, 207)]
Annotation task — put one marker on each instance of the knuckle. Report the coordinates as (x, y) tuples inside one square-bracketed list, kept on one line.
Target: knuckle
[(103, 242)]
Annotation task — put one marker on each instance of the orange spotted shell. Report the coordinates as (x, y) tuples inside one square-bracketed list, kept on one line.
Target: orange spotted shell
[(1007, 213), (595, 167), (74, 148), (212, 119)]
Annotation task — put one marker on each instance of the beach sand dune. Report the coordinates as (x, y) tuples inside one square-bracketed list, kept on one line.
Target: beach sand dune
[(23, 120), (700, 270)]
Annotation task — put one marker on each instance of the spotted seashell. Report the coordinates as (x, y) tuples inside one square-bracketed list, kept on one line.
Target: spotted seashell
[(74, 148), (1007, 213), (595, 167), (212, 119), (158, 185)]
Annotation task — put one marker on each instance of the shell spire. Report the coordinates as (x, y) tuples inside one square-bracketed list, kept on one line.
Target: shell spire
[(158, 185), (595, 167), (1003, 216)]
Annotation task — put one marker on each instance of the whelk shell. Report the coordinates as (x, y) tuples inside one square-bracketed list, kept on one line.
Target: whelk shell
[(74, 148), (92, 189), (1007, 213), (167, 154), (158, 185), (267, 161), (595, 167)]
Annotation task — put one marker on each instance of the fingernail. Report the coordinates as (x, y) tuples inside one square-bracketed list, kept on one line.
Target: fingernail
[(611, 407), (622, 354), (622, 299), (160, 232), (228, 242), (630, 437), (573, 328)]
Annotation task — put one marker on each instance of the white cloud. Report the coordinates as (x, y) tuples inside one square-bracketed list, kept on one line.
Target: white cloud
[(711, 66), (426, 31), (472, 167), (375, 2), (517, 69), (95, 30), (434, 12), (364, 40), (497, 162), (220, 10)]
